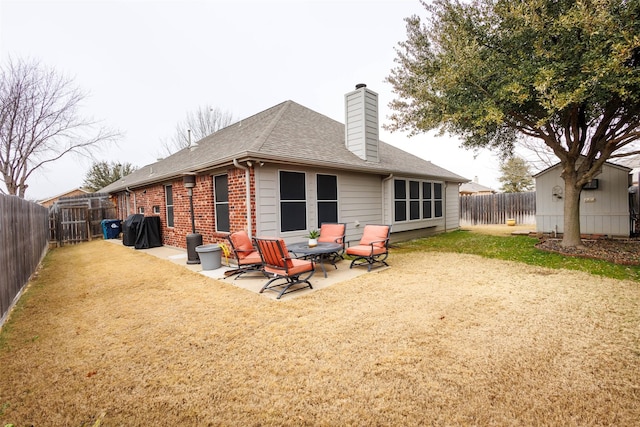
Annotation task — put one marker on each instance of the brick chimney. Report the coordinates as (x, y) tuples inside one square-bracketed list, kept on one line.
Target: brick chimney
[(361, 123)]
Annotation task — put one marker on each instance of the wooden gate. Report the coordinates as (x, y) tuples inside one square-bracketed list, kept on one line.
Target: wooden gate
[(79, 219), (74, 225)]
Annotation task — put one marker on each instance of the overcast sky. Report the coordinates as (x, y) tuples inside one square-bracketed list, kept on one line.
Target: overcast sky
[(145, 64)]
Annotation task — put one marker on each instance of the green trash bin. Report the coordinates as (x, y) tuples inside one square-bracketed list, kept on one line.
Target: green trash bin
[(210, 256)]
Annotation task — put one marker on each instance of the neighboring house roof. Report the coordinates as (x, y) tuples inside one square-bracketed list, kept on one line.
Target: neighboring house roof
[(74, 192), (473, 187), (286, 133)]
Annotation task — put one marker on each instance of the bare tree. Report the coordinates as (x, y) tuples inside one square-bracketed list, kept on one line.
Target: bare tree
[(200, 123), (539, 155), (40, 122)]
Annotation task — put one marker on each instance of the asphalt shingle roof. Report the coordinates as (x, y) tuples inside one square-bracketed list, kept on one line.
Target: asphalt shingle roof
[(285, 133), (474, 187)]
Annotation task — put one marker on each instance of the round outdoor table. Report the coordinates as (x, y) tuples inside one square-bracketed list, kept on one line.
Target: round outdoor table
[(317, 253)]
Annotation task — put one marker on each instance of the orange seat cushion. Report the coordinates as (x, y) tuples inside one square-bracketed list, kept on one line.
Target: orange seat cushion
[(365, 250), (375, 233), (296, 266), (331, 233), (251, 258), (242, 243)]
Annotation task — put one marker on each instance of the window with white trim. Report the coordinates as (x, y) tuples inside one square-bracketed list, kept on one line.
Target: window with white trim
[(221, 201), (437, 200), (168, 197), (414, 200), (400, 200), (327, 191), (293, 201)]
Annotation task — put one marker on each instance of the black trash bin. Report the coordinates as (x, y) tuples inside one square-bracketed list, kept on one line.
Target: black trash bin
[(111, 228)]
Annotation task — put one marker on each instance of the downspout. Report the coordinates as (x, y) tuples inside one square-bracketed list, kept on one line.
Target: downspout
[(247, 179), (444, 205), (135, 207), (384, 180)]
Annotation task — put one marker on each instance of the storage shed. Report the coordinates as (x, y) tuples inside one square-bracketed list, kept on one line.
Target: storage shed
[(604, 202)]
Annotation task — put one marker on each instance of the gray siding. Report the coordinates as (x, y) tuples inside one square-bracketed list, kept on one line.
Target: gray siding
[(452, 206), (361, 123), (362, 199), (359, 201)]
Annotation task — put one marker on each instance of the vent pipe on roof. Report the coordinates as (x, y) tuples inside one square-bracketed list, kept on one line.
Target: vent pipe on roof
[(361, 123), (194, 145)]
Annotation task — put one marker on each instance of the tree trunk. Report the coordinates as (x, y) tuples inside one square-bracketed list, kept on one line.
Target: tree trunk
[(571, 235)]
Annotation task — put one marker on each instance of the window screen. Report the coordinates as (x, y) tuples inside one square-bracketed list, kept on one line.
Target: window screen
[(293, 204), (168, 194), (221, 196), (327, 189)]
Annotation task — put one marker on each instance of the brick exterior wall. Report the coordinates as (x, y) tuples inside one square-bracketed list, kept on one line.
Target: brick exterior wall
[(203, 207)]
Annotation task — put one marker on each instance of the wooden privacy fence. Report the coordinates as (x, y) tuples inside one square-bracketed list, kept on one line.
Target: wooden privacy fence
[(497, 208), (79, 219), (23, 243)]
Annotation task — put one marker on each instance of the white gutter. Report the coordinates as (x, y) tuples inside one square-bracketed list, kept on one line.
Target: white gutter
[(247, 181)]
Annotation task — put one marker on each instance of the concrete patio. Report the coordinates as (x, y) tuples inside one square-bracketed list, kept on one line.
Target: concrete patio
[(254, 281)]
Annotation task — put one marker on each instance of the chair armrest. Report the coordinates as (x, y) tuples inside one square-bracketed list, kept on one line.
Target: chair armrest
[(385, 241)]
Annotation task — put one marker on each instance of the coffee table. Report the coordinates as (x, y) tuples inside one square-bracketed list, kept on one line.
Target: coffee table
[(317, 253)]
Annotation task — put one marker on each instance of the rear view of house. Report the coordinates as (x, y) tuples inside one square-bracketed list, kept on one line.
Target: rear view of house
[(288, 169)]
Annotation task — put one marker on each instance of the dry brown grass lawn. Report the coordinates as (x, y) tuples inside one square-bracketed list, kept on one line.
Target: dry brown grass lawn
[(106, 334)]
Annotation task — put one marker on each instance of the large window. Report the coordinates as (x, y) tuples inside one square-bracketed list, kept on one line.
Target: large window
[(293, 202), (327, 190), (221, 200), (400, 199), (414, 200), (168, 196), (437, 199)]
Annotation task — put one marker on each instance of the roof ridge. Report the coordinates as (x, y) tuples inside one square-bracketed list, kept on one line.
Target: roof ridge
[(264, 135)]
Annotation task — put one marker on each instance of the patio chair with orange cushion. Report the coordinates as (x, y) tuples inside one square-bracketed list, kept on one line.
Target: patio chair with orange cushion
[(333, 232), (277, 262), (247, 257), (373, 246)]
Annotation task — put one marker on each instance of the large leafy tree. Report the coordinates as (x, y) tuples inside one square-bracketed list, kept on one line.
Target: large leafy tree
[(565, 72), (515, 175), (102, 174), (40, 122)]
